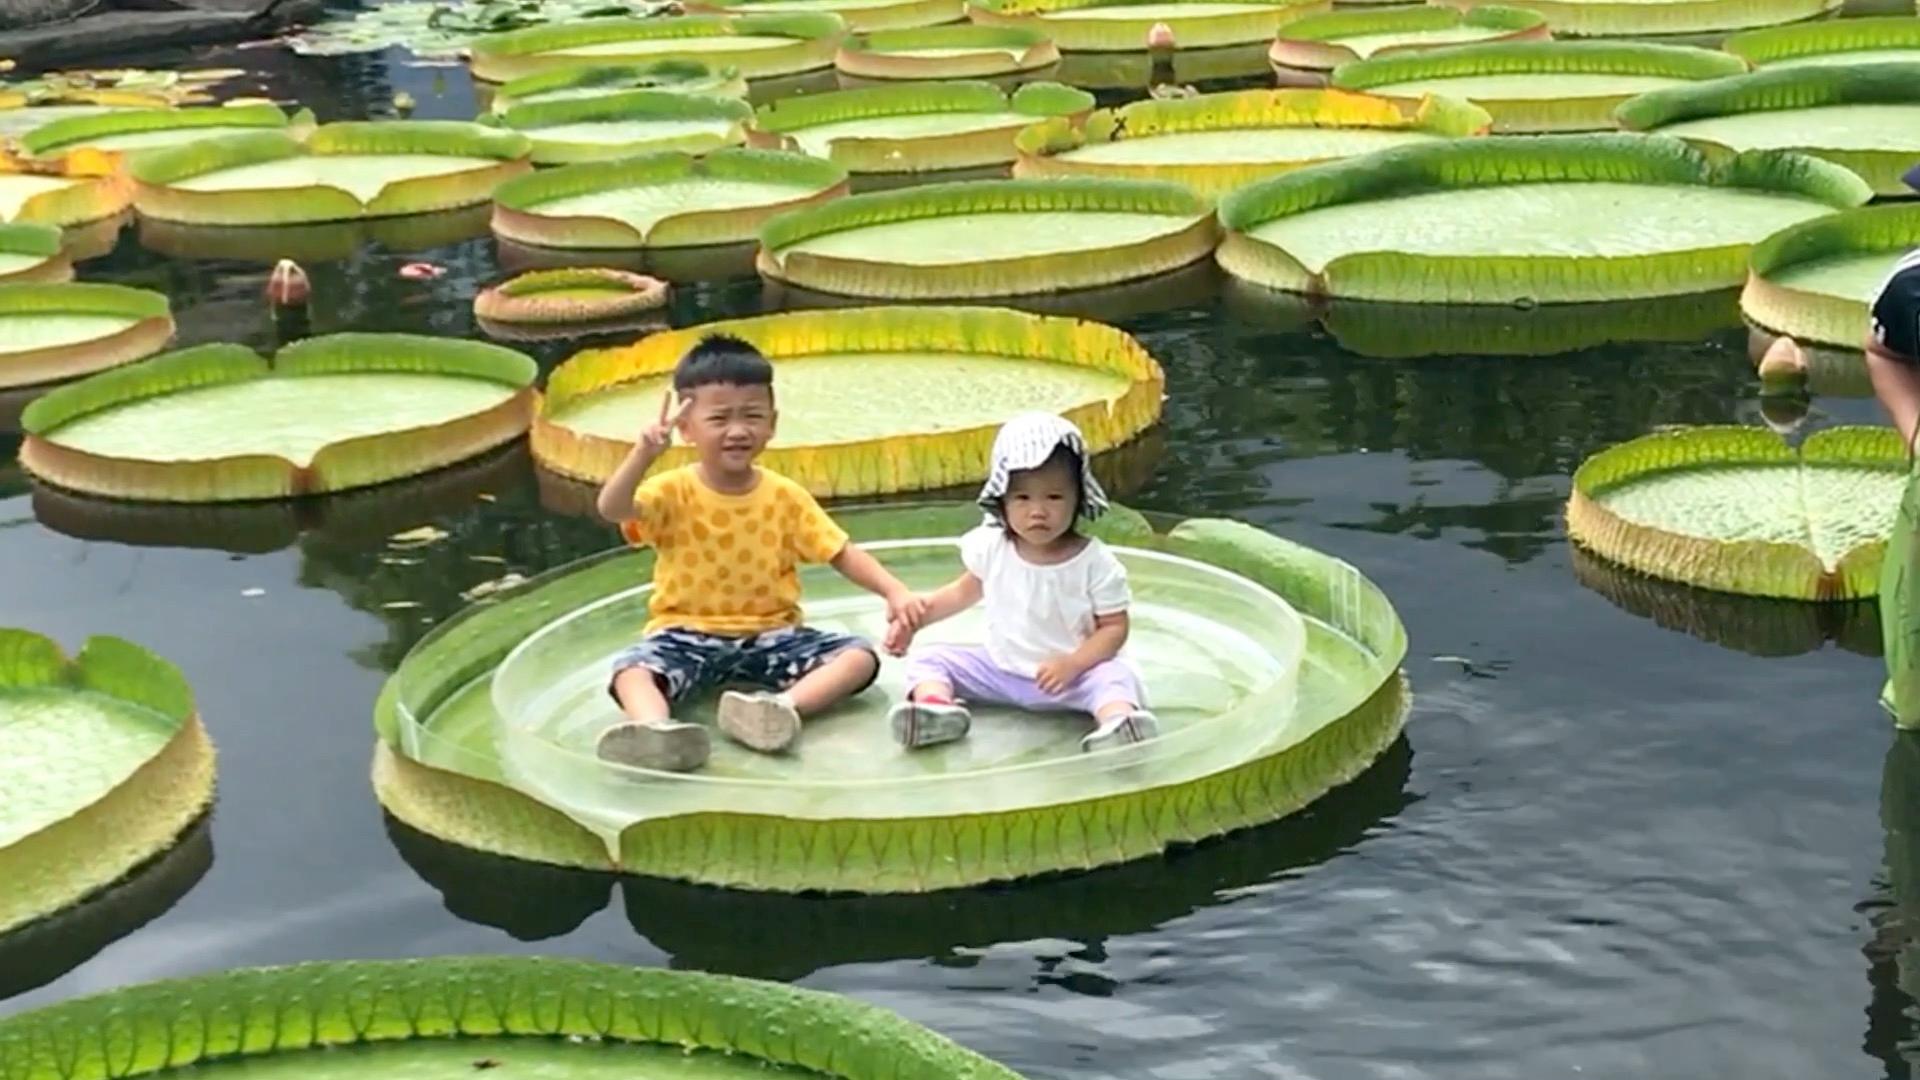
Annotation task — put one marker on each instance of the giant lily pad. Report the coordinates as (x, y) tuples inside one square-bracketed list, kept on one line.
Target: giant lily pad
[(622, 125), (522, 1016), (1644, 18), (104, 764), (32, 253), (61, 331), (1812, 282), (661, 200), (989, 238), (919, 128), (759, 46), (1324, 42), (1538, 85), (61, 193), (1835, 43), (1552, 218), (1217, 142), (340, 172), (860, 16), (124, 131), (442, 766), (546, 304), (946, 52), (1105, 26), (1738, 510), (363, 517), (964, 372), (217, 423), (46, 949), (1865, 118), (588, 81)]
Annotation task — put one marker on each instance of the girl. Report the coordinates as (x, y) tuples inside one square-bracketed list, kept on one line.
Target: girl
[(1056, 603)]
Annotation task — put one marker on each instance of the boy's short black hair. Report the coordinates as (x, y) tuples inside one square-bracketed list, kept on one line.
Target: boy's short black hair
[(722, 358), (1062, 455)]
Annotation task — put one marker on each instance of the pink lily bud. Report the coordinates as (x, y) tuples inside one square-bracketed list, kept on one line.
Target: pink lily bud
[(421, 271), (287, 286), (1160, 36)]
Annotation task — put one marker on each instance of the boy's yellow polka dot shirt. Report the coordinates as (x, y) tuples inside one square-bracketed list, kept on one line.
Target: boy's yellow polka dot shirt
[(725, 563)]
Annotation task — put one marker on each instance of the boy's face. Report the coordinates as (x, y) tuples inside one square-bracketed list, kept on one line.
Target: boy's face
[(1040, 503), (729, 424)]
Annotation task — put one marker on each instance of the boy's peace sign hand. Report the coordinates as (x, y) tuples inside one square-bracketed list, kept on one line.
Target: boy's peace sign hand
[(657, 436)]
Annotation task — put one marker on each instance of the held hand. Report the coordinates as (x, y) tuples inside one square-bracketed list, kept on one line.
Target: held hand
[(657, 436), (1055, 675), (909, 608), (899, 637)]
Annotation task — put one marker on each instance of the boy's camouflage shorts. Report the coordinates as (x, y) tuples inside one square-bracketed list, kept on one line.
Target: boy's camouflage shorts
[(686, 662)]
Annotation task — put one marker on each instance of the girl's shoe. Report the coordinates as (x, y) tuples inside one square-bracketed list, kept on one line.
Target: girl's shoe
[(928, 723), (1123, 730), (761, 721), (666, 745)]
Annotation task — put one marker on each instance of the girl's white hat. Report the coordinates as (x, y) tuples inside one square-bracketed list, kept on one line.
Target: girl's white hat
[(1026, 442)]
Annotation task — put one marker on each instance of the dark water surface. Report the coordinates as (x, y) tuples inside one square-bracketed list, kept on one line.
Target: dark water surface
[(1608, 845)]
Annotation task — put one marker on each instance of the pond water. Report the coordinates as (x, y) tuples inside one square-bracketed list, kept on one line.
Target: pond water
[(1603, 847)]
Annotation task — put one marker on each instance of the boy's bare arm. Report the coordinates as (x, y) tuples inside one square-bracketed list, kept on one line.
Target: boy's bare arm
[(864, 570), (1897, 384), (615, 502)]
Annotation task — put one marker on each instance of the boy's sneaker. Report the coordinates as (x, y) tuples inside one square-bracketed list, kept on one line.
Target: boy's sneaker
[(763, 722), (1123, 730), (666, 746), (928, 723)]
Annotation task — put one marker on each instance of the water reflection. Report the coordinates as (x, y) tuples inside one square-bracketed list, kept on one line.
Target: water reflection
[(326, 242), (1893, 950), (1747, 624)]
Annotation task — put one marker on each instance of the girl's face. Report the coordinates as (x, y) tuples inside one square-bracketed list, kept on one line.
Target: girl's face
[(1040, 503)]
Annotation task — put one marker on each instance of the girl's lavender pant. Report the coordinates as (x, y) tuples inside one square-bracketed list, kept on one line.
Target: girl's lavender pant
[(976, 679)]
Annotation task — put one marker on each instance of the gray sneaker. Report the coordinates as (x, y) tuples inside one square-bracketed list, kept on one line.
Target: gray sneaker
[(1124, 730), (666, 746), (759, 721), (923, 723)]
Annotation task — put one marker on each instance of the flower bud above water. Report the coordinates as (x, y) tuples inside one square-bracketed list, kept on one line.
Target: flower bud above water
[(287, 286), (1160, 36)]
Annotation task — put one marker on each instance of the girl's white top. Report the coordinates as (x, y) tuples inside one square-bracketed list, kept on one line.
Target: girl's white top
[(1034, 612)]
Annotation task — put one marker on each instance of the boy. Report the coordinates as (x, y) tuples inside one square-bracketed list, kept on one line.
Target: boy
[(726, 601)]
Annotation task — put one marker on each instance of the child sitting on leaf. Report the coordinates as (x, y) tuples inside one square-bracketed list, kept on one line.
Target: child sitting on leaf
[(1056, 603), (726, 601)]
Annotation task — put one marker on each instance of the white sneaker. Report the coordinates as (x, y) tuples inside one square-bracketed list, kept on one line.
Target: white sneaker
[(759, 721), (928, 723), (1123, 730), (667, 746)]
